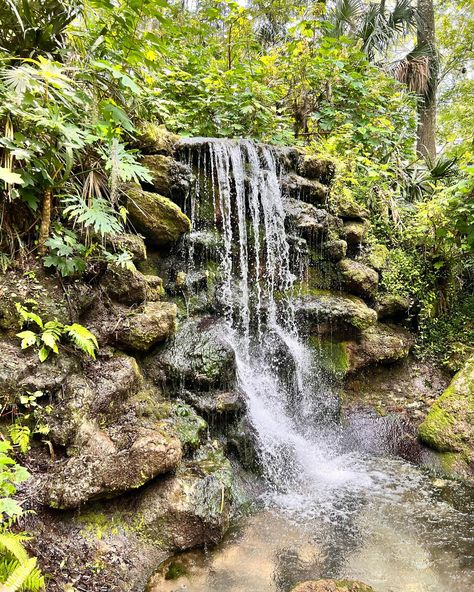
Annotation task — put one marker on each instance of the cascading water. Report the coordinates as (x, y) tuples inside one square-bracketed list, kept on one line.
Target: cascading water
[(316, 471)]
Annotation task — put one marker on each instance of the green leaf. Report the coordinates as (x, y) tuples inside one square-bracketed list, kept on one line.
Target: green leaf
[(10, 177), (43, 354)]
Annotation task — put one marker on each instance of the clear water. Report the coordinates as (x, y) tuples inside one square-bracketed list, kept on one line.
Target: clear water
[(331, 506)]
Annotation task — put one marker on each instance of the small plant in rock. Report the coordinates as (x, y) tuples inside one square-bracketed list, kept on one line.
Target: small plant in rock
[(48, 335)]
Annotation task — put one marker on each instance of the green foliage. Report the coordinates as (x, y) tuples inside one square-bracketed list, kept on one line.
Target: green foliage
[(18, 571), (66, 253), (11, 474), (48, 335)]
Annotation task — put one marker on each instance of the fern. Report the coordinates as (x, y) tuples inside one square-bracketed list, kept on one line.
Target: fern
[(18, 571), (82, 338)]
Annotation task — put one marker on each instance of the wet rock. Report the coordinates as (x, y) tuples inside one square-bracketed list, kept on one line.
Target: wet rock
[(392, 306), (133, 243), (351, 210), (169, 177), (205, 245), (332, 586), (157, 217), (325, 312), (315, 167), (357, 278), (449, 425), (156, 139), (152, 323), (334, 250), (214, 403), (354, 232), (22, 372), (198, 356), (307, 190), (307, 219), (192, 508), (379, 344), (105, 468)]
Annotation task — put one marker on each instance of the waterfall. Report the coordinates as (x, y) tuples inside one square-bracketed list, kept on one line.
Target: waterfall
[(286, 396)]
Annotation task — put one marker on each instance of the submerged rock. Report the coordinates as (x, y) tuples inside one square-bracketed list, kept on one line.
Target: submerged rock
[(357, 278), (325, 311), (152, 323), (449, 425), (169, 177), (157, 217), (332, 586)]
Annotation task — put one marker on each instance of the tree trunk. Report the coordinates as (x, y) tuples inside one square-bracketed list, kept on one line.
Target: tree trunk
[(45, 220), (426, 132)]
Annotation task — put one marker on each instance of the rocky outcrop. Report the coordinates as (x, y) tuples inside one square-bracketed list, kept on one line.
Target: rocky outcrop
[(351, 210), (192, 508), (155, 216), (143, 328), (198, 356), (129, 286), (315, 167), (392, 306), (133, 243), (449, 425), (168, 176), (354, 232), (332, 586), (303, 189), (324, 312), (156, 139), (357, 278), (334, 250), (308, 220)]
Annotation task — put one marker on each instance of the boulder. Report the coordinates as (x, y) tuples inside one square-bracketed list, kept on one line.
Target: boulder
[(129, 286), (325, 312), (332, 586), (22, 372), (449, 425), (214, 404), (379, 344), (303, 189), (392, 306), (150, 324), (104, 468), (357, 278), (316, 167), (351, 210), (198, 356), (156, 139), (354, 232), (334, 250), (133, 243), (168, 177), (193, 507), (308, 220), (157, 217)]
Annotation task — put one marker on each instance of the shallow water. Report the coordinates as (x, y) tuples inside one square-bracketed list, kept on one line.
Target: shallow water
[(415, 534)]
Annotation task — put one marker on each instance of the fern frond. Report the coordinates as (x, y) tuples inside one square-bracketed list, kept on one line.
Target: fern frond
[(13, 544), (82, 339), (19, 576)]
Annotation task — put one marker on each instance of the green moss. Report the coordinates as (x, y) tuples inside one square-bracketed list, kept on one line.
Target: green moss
[(96, 523), (334, 355), (175, 570), (434, 430)]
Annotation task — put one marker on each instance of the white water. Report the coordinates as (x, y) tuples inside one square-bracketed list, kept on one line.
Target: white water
[(378, 517)]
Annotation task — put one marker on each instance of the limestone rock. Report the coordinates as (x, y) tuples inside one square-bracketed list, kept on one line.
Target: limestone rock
[(198, 356), (332, 586), (307, 190), (449, 425), (325, 311), (357, 278), (133, 243), (169, 177), (379, 344), (103, 468), (129, 286), (315, 167), (22, 372), (157, 217), (152, 323), (334, 250), (354, 232), (156, 139), (392, 306), (351, 210), (307, 219), (192, 508)]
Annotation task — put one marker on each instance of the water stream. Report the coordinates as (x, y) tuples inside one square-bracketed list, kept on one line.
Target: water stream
[(330, 507)]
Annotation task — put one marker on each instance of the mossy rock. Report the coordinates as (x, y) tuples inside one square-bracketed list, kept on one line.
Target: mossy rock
[(449, 425), (156, 139), (306, 190), (332, 586), (316, 167), (357, 278), (392, 306), (156, 216), (151, 324), (168, 177), (354, 232)]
